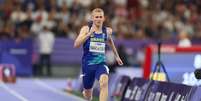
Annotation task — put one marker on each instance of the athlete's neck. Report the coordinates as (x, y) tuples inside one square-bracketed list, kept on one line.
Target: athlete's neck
[(98, 28)]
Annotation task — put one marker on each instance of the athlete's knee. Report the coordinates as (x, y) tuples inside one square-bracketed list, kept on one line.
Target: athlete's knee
[(103, 81)]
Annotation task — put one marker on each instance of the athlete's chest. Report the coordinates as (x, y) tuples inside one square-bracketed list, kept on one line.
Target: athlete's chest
[(97, 43)]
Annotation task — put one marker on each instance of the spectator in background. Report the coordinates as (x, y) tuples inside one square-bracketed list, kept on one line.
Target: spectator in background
[(140, 55), (61, 30), (66, 2), (122, 54), (28, 22), (18, 15), (22, 33), (36, 27), (6, 30), (184, 40), (46, 41), (41, 14), (64, 14), (110, 61), (51, 21)]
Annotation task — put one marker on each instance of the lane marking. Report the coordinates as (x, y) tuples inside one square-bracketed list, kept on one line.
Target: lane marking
[(43, 84), (13, 92)]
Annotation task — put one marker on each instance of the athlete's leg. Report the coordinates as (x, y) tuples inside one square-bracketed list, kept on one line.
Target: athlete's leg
[(103, 87), (102, 75), (88, 84), (88, 81)]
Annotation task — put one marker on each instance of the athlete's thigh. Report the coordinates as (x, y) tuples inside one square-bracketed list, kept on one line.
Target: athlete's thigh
[(88, 76), (102, 69)]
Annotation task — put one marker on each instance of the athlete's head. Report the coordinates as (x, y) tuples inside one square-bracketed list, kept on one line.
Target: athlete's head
[(97, 16)]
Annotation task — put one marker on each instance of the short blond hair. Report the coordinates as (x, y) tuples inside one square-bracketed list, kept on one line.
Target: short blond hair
[(97, 10)]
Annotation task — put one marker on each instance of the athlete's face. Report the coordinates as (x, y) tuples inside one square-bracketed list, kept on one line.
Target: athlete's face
[(98, 18)]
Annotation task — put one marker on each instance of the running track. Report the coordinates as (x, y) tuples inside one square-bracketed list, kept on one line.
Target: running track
[(34, 89)]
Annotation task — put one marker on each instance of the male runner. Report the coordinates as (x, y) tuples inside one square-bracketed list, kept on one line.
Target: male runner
[(93, 37)]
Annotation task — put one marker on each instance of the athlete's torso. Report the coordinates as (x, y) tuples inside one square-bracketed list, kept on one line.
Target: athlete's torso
[(94, 48)]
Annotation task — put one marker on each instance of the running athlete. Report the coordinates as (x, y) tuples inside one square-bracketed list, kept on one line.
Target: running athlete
[(94, 37)]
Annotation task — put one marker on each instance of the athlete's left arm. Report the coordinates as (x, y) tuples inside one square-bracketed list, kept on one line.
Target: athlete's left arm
[(111, 44)]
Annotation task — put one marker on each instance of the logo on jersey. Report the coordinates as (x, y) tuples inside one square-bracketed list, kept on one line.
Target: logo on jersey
[(97, 40)]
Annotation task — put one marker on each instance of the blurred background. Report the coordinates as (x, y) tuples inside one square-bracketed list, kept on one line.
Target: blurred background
[(135, 23), (37, 36)]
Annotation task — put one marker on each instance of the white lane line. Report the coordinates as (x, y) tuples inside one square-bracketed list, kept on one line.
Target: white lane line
[(43, 84), (12, 92)]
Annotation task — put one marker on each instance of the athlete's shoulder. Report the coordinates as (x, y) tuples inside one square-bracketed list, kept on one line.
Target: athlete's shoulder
[(85, 27), (109, 30)]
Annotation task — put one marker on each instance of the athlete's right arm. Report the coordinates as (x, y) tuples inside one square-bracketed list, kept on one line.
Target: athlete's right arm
[(82, 37)]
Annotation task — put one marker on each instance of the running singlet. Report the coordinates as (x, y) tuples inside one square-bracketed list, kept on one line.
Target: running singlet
[(94, 48)]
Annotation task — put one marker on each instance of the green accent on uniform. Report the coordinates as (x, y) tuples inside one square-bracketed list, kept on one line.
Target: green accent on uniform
[(96, 60), (97, 39)]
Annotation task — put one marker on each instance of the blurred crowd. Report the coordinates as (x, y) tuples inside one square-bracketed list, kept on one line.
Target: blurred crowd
[(130, 19)]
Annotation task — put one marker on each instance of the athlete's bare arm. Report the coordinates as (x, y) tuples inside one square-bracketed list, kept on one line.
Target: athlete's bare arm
[(111, 44), (82, 37)]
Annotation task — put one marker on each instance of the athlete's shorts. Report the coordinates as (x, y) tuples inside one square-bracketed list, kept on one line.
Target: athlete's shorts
[(90, 72)]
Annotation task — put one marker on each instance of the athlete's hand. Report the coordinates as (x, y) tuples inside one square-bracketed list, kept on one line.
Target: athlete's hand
[(91, 30), (119, 61)]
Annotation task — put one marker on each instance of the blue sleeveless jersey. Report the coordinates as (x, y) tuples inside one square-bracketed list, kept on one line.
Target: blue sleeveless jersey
[(94, 48)]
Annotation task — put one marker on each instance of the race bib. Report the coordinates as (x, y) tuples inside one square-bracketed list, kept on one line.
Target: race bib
[(97, 47)]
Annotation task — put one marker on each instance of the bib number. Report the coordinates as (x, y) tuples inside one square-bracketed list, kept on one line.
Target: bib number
[(97, 47)]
